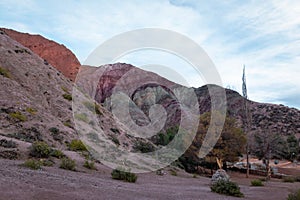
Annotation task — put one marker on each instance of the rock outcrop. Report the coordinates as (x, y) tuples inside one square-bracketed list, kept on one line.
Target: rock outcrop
[(53, 53)]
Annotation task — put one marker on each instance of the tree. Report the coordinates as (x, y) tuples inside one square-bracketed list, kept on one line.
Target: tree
[(292, 147), (229, 146), (267, 145)]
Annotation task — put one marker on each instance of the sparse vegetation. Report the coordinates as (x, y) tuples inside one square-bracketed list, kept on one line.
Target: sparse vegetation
[(143, 147), (32, 164), (57, 153), (18, 115), (77, 145), (65, 89), (8, 143), (89, 165), (294, 195), (82, 117), (92, 106), (4, 72), (68, 124), (121, 174), (289, 179), (40, 150), (257, 182), (227, 188), (173, 172), (68, 164), (31, 110), (67, 96)]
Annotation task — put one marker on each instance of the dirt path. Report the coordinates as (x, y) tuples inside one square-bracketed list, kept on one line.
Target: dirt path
[(52, 183)]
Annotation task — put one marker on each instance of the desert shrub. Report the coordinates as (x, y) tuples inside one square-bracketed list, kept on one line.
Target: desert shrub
[(294, 195), (256, 182), (54, 130), (4, 72), (89, 165), (173, 172), (68, 124), (31, 110), (227, 188), (143, 147), (40, 150), (8, 143), (289, 179), (65, 89), (82, 117), (32, 164), (18, 115), (77, 145), (121, 174), (46, 162), (67, 96), (68, 164), (57, 153), (92, 106)]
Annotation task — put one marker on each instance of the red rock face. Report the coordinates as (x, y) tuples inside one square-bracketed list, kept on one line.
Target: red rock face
[(55, 54)]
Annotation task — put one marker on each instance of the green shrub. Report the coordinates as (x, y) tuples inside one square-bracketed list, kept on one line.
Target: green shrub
[(227, 188), (173, 172), (92, 106), (65, 89), (32, 164), (40, 150), (68, 124), (68, 164), (47, 162), (82, 117), (67, 96), (18, 115), (89, 165), (256, 182), (121, 174), (31, 110), (289, 179), (57, 153), (294, 195), (143, 147), (77, 145), (4, 72)]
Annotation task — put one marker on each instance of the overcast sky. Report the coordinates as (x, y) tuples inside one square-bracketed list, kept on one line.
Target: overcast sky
[(263, 35)]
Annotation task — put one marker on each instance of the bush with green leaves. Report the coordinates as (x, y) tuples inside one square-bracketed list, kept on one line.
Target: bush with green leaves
[(122, 174), (67, 96), (19, 116), (257, 182), (294, 195), (4, 72), (226, 188), (77, 145), (32, 164), (68, 164), (40, 150), (89, 165), (57, 153)]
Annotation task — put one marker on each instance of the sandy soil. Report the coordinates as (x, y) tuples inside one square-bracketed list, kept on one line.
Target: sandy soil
[(53, 183)]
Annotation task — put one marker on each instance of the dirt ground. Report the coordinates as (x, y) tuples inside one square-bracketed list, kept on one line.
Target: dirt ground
[(17, 182)]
